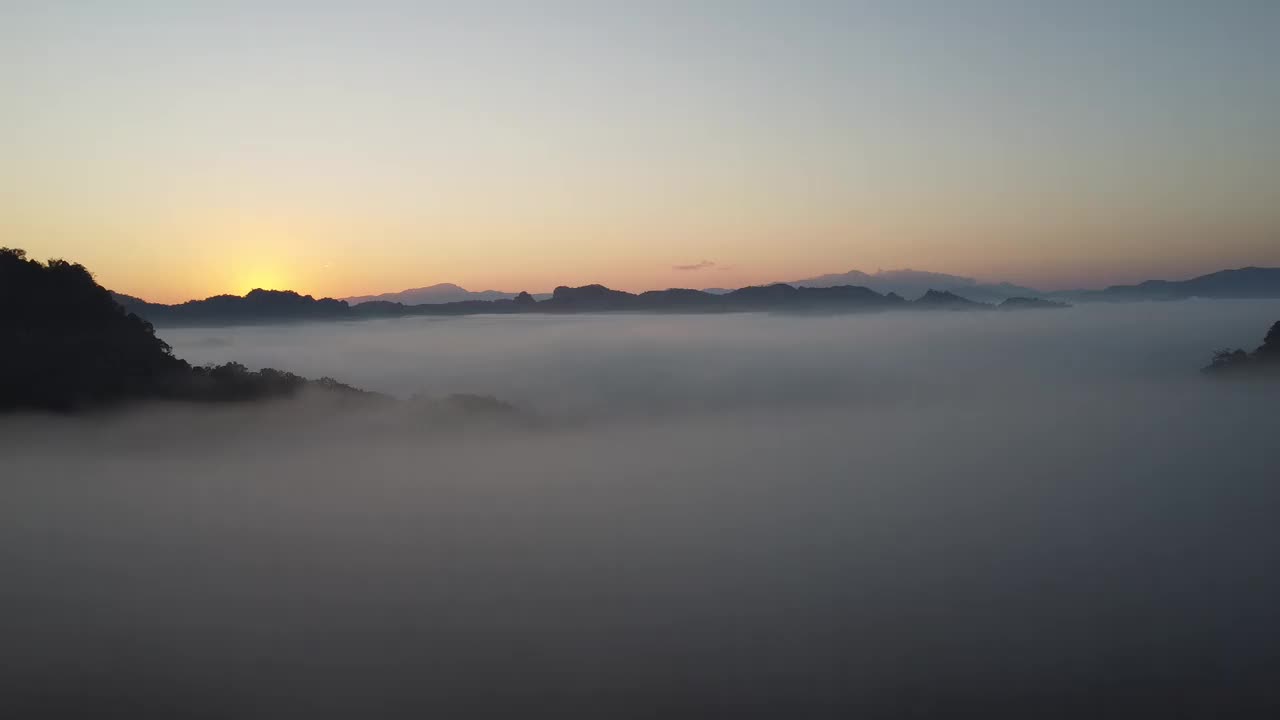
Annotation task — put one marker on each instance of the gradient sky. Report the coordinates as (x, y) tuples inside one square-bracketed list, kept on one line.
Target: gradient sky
[(182, 149)]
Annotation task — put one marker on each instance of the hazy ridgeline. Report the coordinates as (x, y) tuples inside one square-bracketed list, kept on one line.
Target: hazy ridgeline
[(902, 514)]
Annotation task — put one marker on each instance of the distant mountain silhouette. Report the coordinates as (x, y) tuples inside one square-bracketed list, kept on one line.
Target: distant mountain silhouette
[(589, 298), (883, 290), (267, 306), (256, 306), (907, 283), (434, 295), (598, 298), (915, 283), (1265, 360), (1249, 282), (126, 300), (1244, 283), (1025, 303), (262, 306), (944, 299)]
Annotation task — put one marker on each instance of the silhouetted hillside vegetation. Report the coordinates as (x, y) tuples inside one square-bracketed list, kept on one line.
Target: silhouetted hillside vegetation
[(1263, 360), (67, 344)]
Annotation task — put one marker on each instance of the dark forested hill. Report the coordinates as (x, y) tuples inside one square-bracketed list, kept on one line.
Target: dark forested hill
[(1265, 360), (66, 342), (67, 345)]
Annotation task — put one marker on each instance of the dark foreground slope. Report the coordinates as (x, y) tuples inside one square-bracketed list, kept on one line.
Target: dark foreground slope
[(1265, 360), (68, 345)]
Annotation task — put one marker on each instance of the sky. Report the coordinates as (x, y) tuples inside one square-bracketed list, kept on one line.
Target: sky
[(183, 149)]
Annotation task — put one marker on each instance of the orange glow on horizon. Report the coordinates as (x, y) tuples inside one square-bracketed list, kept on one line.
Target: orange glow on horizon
[(262, 279)]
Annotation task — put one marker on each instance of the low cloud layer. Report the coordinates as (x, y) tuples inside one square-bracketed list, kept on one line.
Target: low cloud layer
[(736, 515)]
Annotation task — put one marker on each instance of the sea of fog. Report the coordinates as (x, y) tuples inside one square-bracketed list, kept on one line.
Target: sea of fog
[(1036, 514)]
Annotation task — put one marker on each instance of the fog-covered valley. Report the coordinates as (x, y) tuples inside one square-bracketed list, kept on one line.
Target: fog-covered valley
[(906, 514), (609, 366)]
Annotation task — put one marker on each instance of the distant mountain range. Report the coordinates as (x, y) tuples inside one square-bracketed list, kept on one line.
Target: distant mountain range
[(812, 295), (911, 284), (437, 294), (259, 306), (267, 306), (907, 283), (915, 283), (1249, 282), (1244, 283)]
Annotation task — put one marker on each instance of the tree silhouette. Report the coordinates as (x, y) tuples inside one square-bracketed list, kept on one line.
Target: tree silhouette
[(1264, 359), (68, 345)]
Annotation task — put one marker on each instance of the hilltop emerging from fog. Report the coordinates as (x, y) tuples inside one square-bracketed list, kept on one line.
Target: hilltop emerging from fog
[(1263, 360), (69, 346)]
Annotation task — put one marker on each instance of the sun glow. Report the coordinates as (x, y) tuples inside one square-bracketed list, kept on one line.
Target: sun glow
[(261, 278)]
